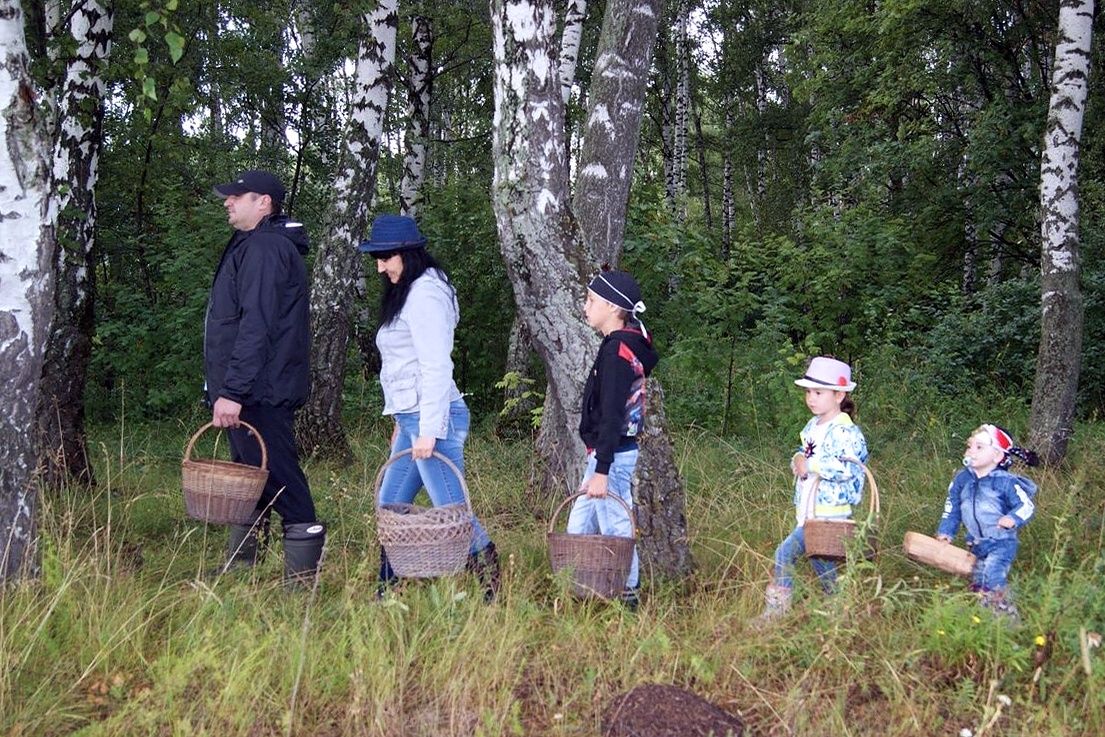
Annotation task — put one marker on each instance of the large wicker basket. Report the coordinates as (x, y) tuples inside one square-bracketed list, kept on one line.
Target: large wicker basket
[(424, 542), (945, 556), (828, 538), (598, 564), (222, 492)]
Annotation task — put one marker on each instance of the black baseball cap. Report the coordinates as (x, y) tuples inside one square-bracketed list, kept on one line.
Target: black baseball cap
[(254, 180)]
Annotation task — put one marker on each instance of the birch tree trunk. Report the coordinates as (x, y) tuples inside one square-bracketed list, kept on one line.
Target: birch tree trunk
[(27, 244), (1059, 359), (728, 206), (546, 261), (682, 106), (338, 266), (419, 88), (571, 38), (63, 451), (544, 257), (613, 125)]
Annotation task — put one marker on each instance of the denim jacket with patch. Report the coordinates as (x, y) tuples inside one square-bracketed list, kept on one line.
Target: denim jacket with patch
[(978, 504)]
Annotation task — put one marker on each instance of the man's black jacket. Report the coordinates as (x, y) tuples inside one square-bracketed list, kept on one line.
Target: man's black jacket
[(256, 336)]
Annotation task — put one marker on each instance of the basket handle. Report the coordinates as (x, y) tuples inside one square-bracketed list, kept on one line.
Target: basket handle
[(873, 508), (441, 457), (609, 494), (260, 441)]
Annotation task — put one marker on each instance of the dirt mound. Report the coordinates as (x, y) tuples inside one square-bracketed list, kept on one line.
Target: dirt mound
[(666, 711)]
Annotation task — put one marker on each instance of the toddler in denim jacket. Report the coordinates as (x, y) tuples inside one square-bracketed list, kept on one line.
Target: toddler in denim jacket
[(991, 504)]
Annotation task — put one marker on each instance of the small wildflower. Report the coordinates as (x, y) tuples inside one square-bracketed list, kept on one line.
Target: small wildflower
[(965, 732), (557, 716), (1040, 640), (1093, 639), (1004, 700), (940, 632), (975, 619)]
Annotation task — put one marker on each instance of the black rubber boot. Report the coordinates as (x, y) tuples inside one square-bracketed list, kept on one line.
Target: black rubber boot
[(303, 546), (244, 545), (387, 578), (485, 564)]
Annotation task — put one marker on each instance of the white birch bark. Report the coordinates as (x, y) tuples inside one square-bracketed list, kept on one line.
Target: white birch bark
[(27, 242), (570, 40), (682, 105), (419, 88), (337, 265), (544, 258), (78, 141), (728, 206), (612, 126), (1059, 358)]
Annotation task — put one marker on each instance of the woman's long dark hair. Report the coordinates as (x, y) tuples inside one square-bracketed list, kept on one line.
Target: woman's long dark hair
[(415, 263)]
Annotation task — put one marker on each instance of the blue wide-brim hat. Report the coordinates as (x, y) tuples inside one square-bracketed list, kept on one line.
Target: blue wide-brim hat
[(392, 233)]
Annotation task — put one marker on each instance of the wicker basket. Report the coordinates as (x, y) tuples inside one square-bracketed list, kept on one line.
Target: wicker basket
[(828, 538), (424, 542), (945, 556), (598, 564), (222, 492)]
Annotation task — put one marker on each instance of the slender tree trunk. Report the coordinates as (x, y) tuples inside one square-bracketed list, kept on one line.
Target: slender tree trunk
[(515, 418), (79, 136), (682, 106), (27, 244), (1059, 358), (337, 266), (704, 171), (571, 38), (728, 206), (419, 88)]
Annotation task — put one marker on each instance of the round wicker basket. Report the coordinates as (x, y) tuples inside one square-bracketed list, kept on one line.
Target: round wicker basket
[(598, 564), (222, 492), (945, 556), (424, 542), (828, 538)]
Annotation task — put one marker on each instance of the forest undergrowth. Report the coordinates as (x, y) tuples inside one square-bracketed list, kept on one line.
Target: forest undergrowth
[(125, 634)]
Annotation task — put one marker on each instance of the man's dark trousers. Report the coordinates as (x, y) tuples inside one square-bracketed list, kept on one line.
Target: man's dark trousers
[(294, 503)]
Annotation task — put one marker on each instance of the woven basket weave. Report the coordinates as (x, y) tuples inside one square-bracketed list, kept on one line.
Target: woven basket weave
[(828, 538), (222, 492), (598, 564), (945, 556), (424, 542)]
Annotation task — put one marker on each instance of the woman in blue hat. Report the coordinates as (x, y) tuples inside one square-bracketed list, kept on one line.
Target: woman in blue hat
[(418, 317)]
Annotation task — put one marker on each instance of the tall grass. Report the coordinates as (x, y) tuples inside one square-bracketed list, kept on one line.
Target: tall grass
[(124, 635)]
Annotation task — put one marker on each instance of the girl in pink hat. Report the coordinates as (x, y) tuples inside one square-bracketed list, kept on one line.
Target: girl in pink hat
[(824, 466)]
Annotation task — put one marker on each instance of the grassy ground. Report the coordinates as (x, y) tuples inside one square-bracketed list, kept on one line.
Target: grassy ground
[(123, 636)]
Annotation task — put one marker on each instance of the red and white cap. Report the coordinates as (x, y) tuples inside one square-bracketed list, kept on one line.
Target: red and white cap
[(998, 438)]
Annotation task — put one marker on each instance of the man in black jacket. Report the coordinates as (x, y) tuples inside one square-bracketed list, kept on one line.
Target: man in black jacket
[(256, 342)]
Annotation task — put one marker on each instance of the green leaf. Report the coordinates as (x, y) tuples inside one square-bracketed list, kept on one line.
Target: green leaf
[(176, 45), (141, 56), (149, 88), (137, 35), (152, 17), (171, 5)]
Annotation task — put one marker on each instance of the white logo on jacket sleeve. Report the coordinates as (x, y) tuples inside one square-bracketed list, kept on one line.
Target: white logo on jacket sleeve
[(1027, 507)]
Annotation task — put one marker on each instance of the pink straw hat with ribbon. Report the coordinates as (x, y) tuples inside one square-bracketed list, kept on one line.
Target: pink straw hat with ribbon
[(827, 373)]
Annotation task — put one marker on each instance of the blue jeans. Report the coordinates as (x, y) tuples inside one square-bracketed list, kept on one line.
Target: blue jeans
[(793, 548), (605, 516), (995, 558), (406, 476)]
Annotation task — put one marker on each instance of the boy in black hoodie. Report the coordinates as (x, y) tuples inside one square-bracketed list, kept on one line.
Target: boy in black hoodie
[(613, 411)]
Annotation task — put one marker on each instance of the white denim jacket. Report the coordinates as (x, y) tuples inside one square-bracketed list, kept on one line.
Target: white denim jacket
[(416, 355)]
